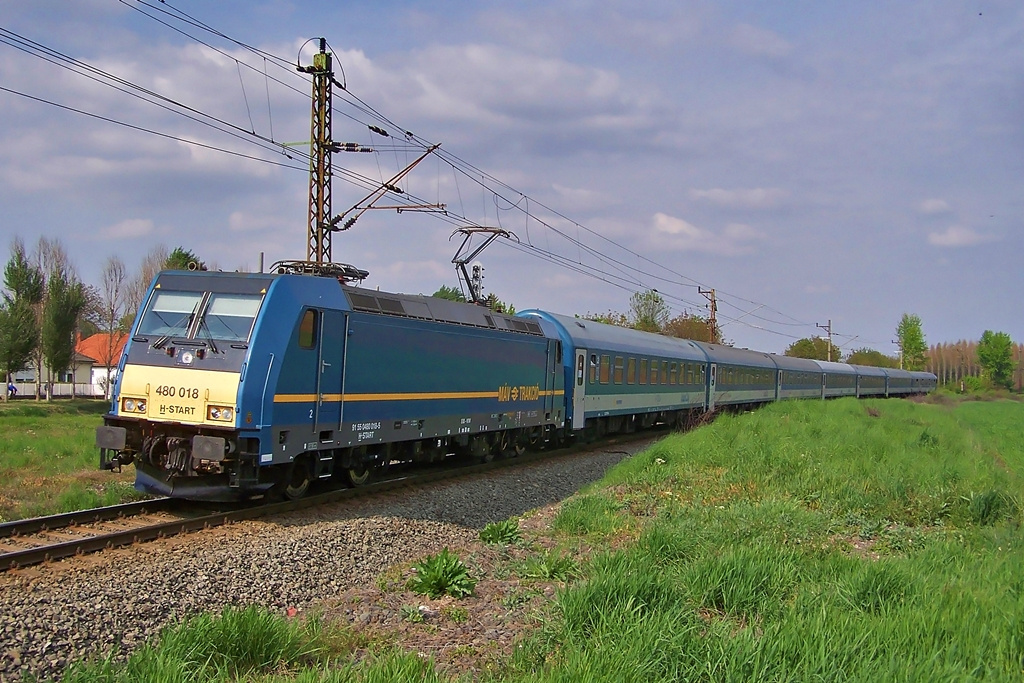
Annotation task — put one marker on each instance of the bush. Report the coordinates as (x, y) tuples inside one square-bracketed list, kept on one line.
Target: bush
[(441, 574)]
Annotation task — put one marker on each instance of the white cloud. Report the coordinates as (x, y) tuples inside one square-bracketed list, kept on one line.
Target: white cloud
[(957, 236), (132, 227), (676, 233), (933, 206), (759, 42), (753, 198)]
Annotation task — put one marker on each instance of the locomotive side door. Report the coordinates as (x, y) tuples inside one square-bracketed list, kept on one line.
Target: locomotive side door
[(328, 389), (579, 386)]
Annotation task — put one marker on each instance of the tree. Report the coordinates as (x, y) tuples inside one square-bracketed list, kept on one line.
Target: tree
[(609, 318), (183, 259), (26, 289), (912, 343), (496, 304), (19, 328), (995, 355), (814, 348), (648, 311), (135, 290), (873, 358), (18, 335), (66, 298), (692, 326), (449, 293)]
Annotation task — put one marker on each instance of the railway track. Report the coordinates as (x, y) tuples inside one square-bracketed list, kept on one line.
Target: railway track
[(42, 539)]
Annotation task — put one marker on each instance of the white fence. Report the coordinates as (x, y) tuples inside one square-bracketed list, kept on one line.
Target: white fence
[(60, 390)]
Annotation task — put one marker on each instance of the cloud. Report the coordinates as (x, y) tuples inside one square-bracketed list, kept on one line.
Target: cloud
[(753, 198), (933, 206), (759, 42), (676, 233), (957, 236), (132, 227)]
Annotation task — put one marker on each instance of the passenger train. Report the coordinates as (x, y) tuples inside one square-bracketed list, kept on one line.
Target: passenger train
[(239, 385)]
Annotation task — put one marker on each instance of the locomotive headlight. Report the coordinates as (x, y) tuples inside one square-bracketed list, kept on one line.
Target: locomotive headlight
[(133, 405), (220, 413)]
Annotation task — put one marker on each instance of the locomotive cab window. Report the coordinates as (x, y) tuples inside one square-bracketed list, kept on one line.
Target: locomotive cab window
[(170, 313), (307, 329), (230, 316)]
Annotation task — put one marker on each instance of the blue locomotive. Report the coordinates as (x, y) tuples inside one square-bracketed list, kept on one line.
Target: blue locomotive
[(238, 385)]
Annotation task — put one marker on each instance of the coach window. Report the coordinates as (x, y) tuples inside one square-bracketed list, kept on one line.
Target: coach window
[(654, 371), (593, 368), (606, 367), (664, 372), (643, 371), (673, 373), (618, 369), (631, 371), (307, 329)]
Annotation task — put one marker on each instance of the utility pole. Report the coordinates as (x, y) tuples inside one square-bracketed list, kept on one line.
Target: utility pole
[(712, 306), (319, 242), (897, 342), (827, 328)]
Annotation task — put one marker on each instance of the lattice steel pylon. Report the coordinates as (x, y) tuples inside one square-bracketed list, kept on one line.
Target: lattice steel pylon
[(319, 250)]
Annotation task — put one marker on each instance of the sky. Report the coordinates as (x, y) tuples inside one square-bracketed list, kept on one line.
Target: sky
[(812, 161)]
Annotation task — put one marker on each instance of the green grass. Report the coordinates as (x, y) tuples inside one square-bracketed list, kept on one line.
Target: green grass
[(847, 541), (255, 645), (839, 541), (49, 461)]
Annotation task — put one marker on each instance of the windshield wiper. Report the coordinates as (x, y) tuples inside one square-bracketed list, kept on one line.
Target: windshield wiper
[(209, 334), (162, 341)]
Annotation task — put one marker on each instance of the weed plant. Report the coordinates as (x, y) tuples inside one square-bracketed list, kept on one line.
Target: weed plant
[(442, 574), (505, 532)]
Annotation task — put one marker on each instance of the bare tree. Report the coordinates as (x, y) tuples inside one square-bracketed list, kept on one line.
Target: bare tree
[(136, 287), (113, 299)]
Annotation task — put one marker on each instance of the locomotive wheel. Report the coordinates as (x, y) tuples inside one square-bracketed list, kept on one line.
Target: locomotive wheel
[(366, 472), (297, 481), (360, 477), (535, 437), (482, 449), (505, 445)]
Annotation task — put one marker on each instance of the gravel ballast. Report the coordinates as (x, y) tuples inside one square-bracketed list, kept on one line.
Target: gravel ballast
[(55, 614)]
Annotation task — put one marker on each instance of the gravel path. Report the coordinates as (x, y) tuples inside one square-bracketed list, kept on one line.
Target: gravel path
[(55, 614)]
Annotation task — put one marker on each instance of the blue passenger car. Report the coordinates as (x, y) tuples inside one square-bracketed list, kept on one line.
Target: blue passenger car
[(739, 376), (899, 382), (840, 379), (617, 378), (870, 381), (798, 377)]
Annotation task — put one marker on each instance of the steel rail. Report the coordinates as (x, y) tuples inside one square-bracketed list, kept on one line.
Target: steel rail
[(101, 541), (34, 525)]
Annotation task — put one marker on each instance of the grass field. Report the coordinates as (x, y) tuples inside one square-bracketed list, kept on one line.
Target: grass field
[(49, 460), (840, 541)]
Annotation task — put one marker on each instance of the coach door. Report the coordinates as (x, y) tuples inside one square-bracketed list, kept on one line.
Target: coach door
[(579, 385), (711, 387)]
